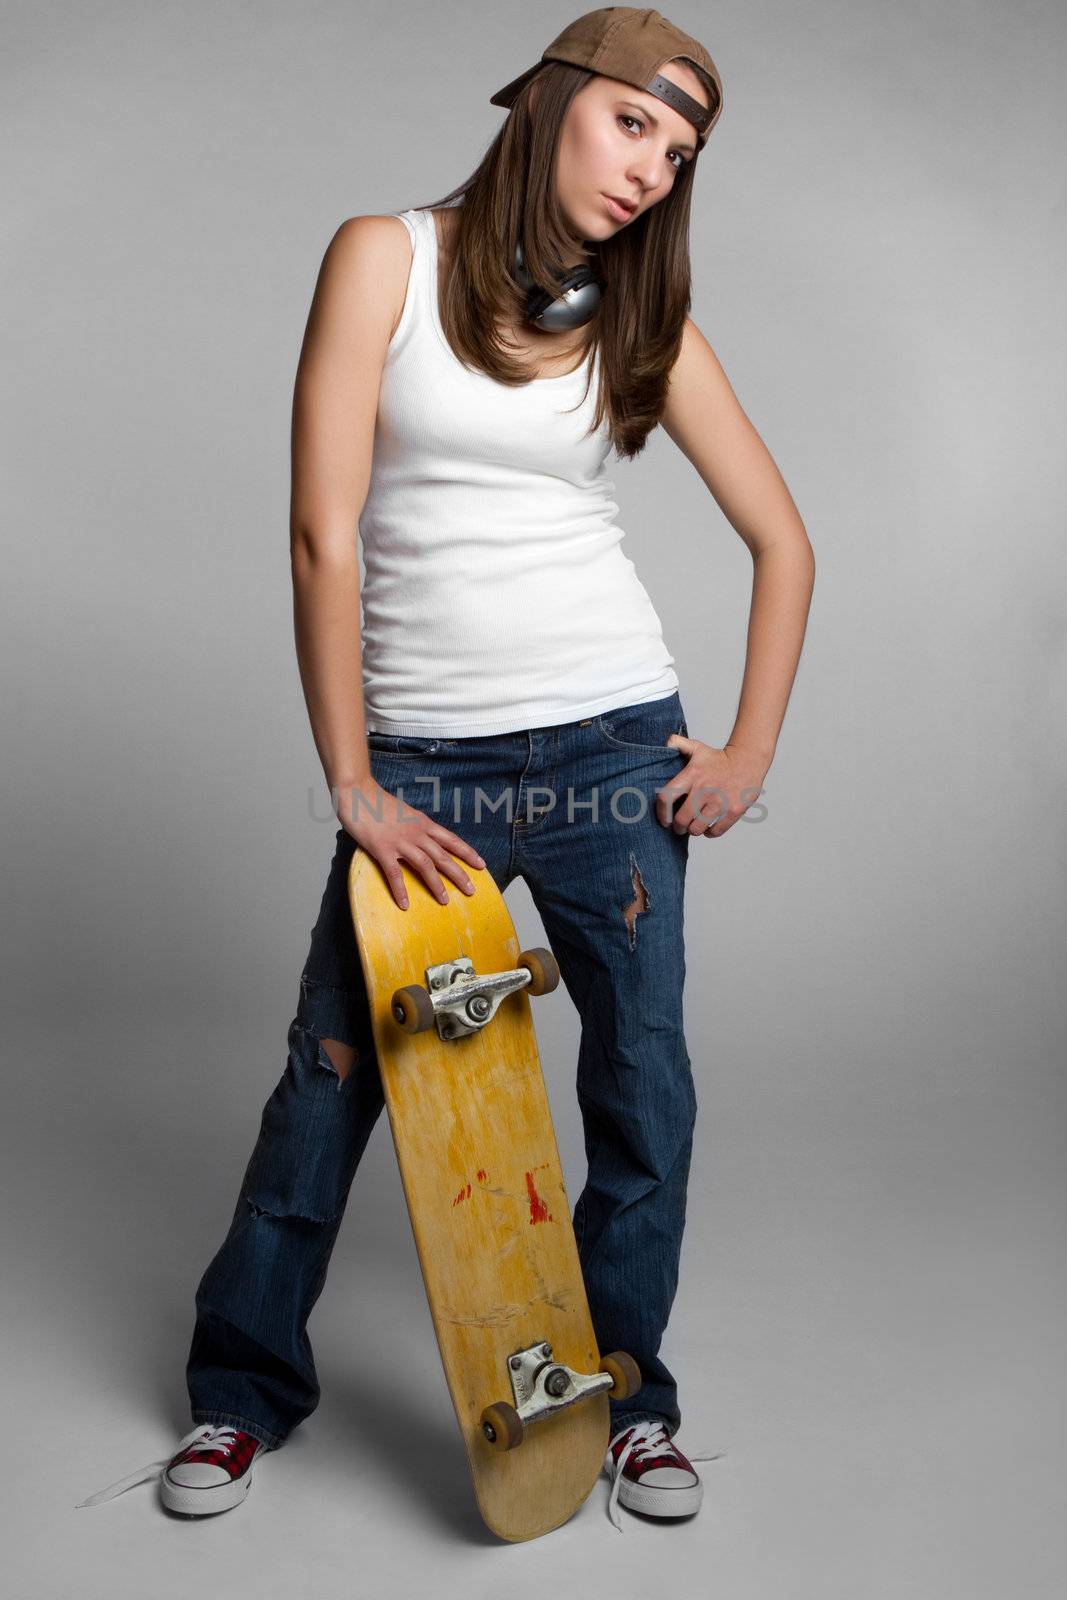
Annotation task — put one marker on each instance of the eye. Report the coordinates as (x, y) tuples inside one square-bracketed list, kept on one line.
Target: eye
[(683, 161)]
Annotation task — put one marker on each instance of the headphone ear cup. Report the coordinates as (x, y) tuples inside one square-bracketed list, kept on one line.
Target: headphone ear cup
[(576, 304)]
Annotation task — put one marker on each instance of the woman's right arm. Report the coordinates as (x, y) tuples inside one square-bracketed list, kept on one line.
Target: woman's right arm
[(357, 303)]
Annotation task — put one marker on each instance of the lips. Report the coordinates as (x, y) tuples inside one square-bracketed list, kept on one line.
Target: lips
[(629, 206)]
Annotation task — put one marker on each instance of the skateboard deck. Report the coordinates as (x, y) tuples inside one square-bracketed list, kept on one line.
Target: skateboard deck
[(481, 1174)]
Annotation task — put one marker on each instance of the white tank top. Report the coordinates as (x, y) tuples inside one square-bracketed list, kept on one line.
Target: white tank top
[(496, 596)]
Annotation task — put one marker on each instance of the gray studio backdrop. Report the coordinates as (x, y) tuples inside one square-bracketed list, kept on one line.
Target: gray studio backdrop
[(869, 1329)]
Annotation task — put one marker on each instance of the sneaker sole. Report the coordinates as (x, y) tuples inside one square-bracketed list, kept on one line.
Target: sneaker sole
[(204, 1502)]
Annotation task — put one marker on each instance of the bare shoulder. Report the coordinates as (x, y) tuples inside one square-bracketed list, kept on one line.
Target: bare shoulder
[(701, 403), (368, 261), (707, 422), (697, 379), (356, 305)]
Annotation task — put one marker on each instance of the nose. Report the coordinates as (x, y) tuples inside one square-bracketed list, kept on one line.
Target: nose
[(643, 174)]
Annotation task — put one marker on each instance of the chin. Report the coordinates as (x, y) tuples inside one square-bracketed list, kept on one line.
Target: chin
[(588, 217), (600, 225)]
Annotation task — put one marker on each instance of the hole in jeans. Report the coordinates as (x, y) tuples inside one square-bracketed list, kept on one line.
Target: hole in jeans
[(342, 1056), (639, 904)]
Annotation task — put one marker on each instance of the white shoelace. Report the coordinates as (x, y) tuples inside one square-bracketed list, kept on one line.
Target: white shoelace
[(647, 1439), (208, 1436)]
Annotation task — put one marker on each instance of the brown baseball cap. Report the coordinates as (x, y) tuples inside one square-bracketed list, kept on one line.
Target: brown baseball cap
[(632, 44)]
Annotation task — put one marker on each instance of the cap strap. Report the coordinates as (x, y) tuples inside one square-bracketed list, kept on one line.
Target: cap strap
[(684, 104)]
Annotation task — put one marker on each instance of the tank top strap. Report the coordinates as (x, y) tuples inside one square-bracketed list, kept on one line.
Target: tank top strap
[(426, 258), (418, 305)]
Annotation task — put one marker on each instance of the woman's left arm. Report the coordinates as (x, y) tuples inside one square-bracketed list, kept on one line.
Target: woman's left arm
[(705, 419)]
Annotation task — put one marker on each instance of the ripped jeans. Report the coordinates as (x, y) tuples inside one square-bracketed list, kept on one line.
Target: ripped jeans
[(570, 809)]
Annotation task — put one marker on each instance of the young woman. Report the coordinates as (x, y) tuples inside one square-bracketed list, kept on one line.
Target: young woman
[(462, 415)]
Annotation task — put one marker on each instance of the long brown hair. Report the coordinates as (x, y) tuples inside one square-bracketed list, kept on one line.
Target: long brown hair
[(510, 198)]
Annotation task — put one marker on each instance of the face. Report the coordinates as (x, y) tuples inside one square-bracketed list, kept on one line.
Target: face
[(618, 141)]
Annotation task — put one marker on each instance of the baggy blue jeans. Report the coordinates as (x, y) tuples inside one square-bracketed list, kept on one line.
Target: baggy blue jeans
[(570, 809)]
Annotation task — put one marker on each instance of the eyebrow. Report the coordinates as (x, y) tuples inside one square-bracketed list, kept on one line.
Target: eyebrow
[(688, 149)]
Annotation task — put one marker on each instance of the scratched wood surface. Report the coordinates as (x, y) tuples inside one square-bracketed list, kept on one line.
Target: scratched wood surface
[(489, 1211)]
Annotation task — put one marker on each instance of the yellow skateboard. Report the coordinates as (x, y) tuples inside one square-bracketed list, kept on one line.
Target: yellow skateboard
[(449, 1000)]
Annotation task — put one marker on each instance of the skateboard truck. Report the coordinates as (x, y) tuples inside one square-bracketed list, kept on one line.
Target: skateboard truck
[(541, 1386), (461, 1001)]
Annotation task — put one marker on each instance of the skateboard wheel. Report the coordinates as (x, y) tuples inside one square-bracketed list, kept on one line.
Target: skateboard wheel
[(502, 1426), (544, 967), (624, 1371), (413, 1008)]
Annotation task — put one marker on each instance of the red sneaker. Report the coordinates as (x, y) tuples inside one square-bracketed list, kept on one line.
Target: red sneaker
[(651, 1474), (212, 1470)]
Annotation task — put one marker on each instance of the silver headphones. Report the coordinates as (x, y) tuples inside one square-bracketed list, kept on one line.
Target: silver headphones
[(576, 304)]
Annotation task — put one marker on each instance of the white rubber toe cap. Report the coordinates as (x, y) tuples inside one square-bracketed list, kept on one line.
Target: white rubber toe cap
[(198, 1475), (668, 1478)]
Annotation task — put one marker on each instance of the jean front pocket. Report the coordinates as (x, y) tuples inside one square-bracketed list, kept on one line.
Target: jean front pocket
[(645, 727), (405, 746)]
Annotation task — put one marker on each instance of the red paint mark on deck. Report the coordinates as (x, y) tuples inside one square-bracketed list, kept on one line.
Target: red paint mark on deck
[(481, 1174), (539, 1212), (464, 1194)]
